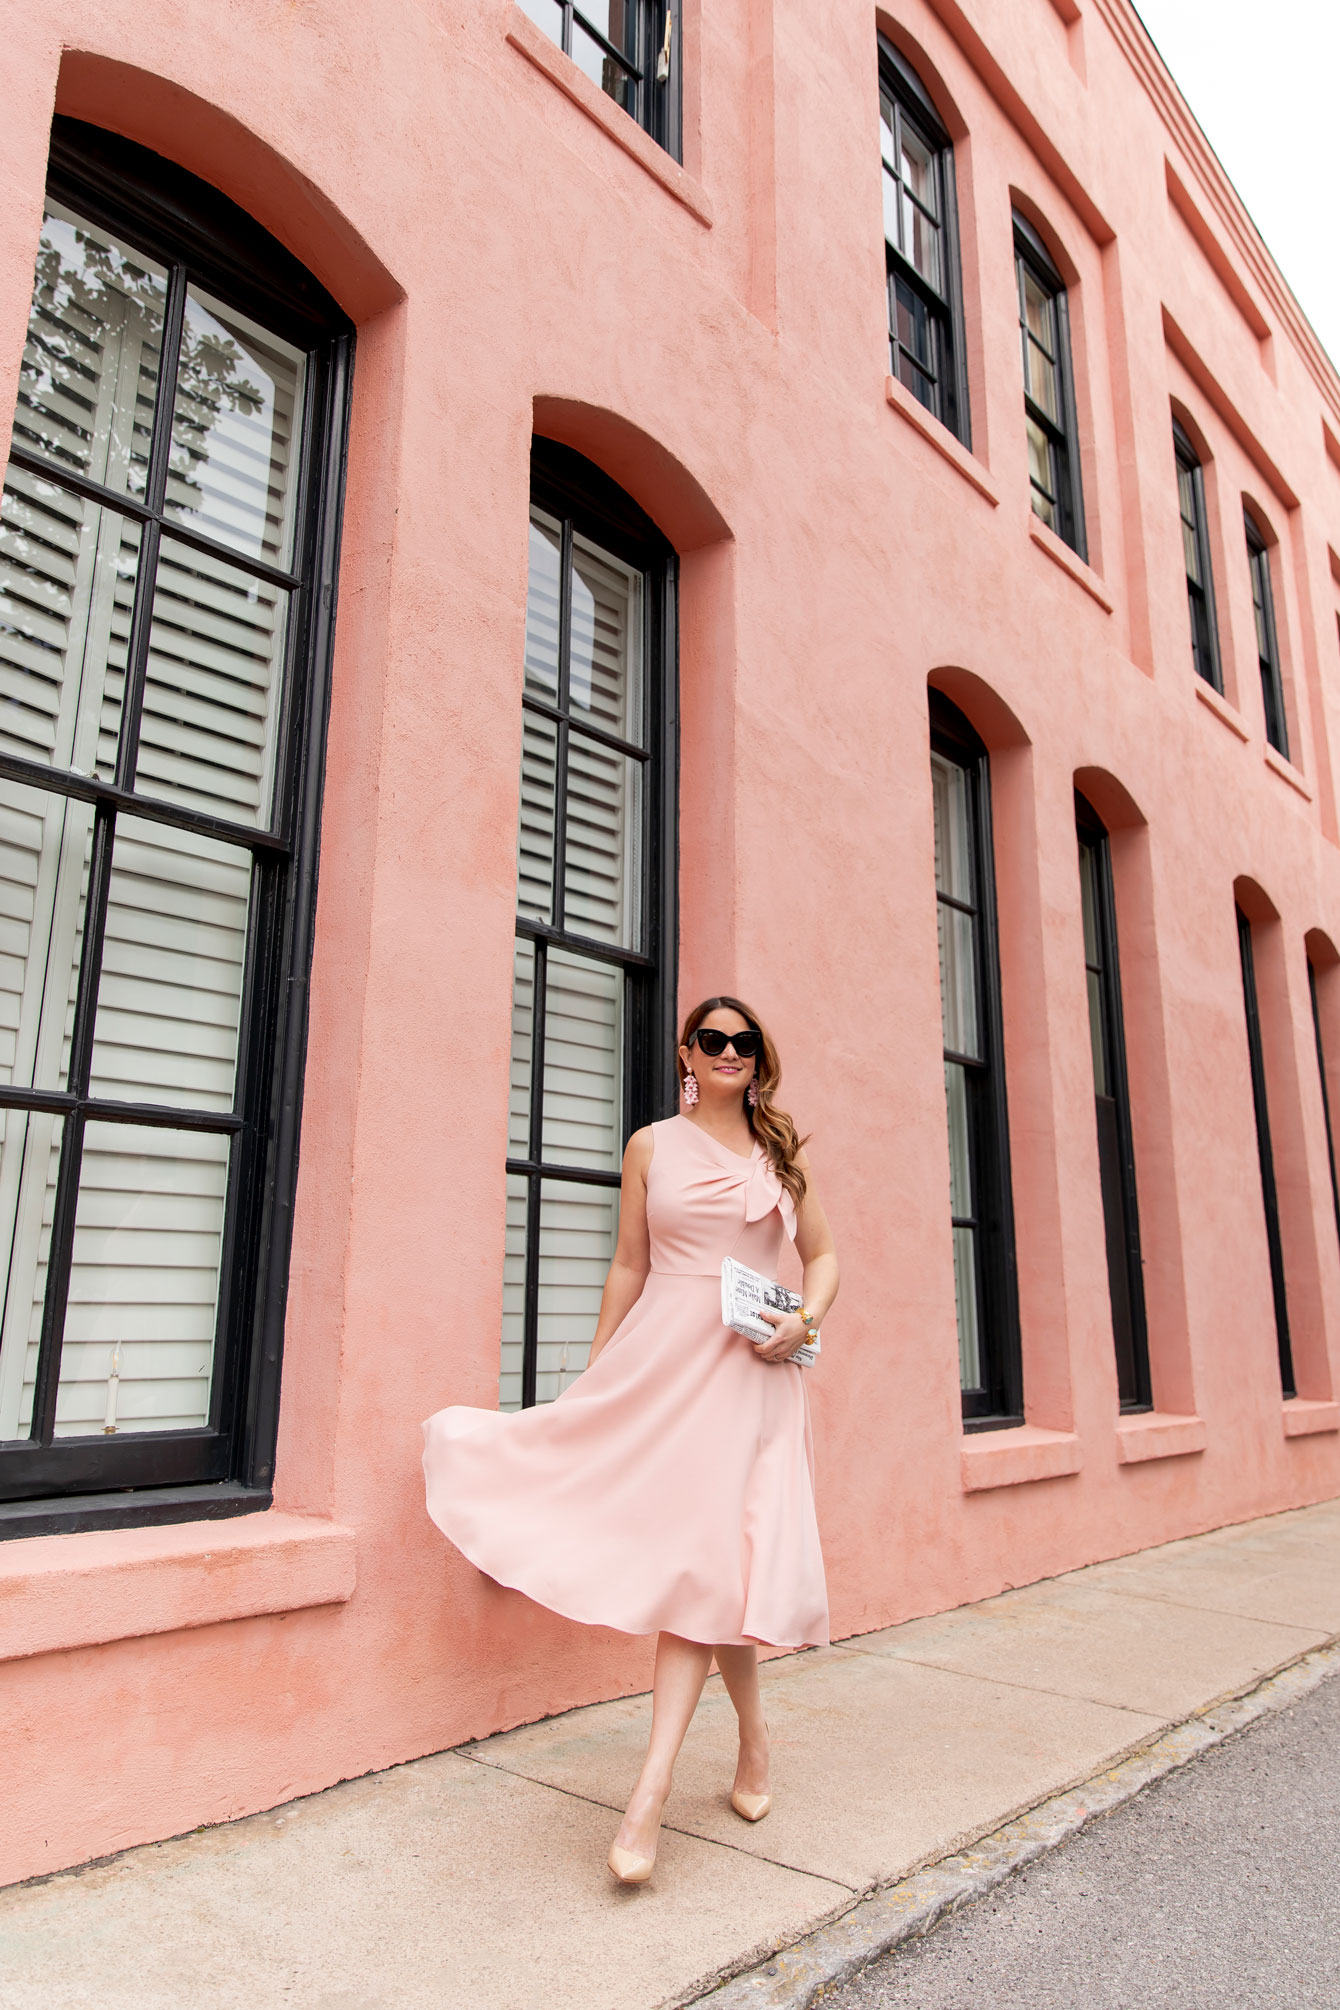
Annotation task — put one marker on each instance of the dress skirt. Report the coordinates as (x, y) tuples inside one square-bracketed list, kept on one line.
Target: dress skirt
[(671, 1488)]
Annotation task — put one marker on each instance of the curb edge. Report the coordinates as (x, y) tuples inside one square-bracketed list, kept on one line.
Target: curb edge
[(798, 1976)]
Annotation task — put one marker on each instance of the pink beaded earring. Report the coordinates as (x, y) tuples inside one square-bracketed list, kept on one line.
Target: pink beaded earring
[(751, 1095), (690, 1087)]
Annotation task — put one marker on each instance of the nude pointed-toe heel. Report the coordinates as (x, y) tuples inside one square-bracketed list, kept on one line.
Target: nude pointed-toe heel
[(630, 1868), (752, 1807)]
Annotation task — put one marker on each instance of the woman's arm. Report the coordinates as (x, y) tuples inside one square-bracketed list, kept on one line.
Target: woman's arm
[(814, 1245), (632, 1253)]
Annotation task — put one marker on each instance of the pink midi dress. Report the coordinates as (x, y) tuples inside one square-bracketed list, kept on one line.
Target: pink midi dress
[(671, 1488)]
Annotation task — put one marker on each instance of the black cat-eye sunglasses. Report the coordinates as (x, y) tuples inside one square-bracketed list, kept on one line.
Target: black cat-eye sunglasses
[(748, 1045)]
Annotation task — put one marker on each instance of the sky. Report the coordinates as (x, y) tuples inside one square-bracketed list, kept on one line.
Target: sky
[(1261, 77)]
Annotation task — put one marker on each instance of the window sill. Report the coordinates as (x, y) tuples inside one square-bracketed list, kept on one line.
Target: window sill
[(1214, 701), (943, 441), (64, 1591), (1013, 1458), (1287, 772), (1060, 554), (1304, 1417), (532, 42), (1158, 1434)]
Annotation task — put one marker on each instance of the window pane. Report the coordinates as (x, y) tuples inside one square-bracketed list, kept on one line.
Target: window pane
[(953, 844), (918, 383), (1043, 385), (1039, 314), (1040, 472), (514, 1295), (958, 982), (893, 197), (1265, 641), (233, 468), (605, 663), (542, 608), (44, 854), (965, 1305), (1202, 648), (918, 169), (1186, 501), (90, 363), (1093, 957), (213, 689), (535, 818), (30, 1143), (579, 1226), (67, 584), (603, 844), (886, 140), (174, 953), (603, 70), (914, 325), (546, 14), (1088, 896), (583, 1062), (138, 1353), (1191, 552), (614, 19), (921, 242), (1098, 1043), (523, 1035), (960, 1159)]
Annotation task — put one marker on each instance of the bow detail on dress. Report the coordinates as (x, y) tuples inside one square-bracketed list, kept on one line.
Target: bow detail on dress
[(724, 1172)]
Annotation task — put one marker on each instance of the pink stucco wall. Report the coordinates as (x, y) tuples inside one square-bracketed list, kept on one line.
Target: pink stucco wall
[(516, 256)]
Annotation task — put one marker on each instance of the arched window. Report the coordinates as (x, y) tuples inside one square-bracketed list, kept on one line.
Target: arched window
[(1116, 1150), (1196, 559), (921, 245), (167, 580), (593, 998), (1049, 388), (1265, 1152), (1267, 636), (1325, 1091), (981, 1208)]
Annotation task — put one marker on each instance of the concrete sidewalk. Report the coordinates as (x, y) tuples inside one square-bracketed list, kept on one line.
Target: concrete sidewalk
[(476, 1878)]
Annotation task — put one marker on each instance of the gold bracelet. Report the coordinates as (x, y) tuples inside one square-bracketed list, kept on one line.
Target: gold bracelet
[(806, 1318)]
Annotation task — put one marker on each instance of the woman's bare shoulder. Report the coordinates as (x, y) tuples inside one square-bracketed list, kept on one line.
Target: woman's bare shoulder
[(637, 1152)]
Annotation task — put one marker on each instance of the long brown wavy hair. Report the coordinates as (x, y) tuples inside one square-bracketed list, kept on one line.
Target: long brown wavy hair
[(772, 1127)]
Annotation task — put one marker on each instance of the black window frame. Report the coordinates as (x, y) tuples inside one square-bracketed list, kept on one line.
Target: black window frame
[(1116, 1145), (1199, 592), (656, 102), (1267, 635), (47, 1484), (1325, 1089), (1266, 1155), (1067, 494), (943, 307), (583, 499), (999, 1401)]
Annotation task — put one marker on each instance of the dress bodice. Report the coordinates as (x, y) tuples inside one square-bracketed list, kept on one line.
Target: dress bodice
[(705, 1203)]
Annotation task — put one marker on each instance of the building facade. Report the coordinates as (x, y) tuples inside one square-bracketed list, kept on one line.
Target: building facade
[(519, 517)]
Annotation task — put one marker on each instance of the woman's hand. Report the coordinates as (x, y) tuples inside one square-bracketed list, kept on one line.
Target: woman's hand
[(789, 1332)]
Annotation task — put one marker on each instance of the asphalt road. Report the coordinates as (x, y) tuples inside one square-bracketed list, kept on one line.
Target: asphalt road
[(1217, 1889)]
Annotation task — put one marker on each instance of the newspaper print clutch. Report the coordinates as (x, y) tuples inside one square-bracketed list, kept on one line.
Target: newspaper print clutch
[(745, 1292)]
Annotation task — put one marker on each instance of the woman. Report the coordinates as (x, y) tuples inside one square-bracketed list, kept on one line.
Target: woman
[(670, 1489)]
